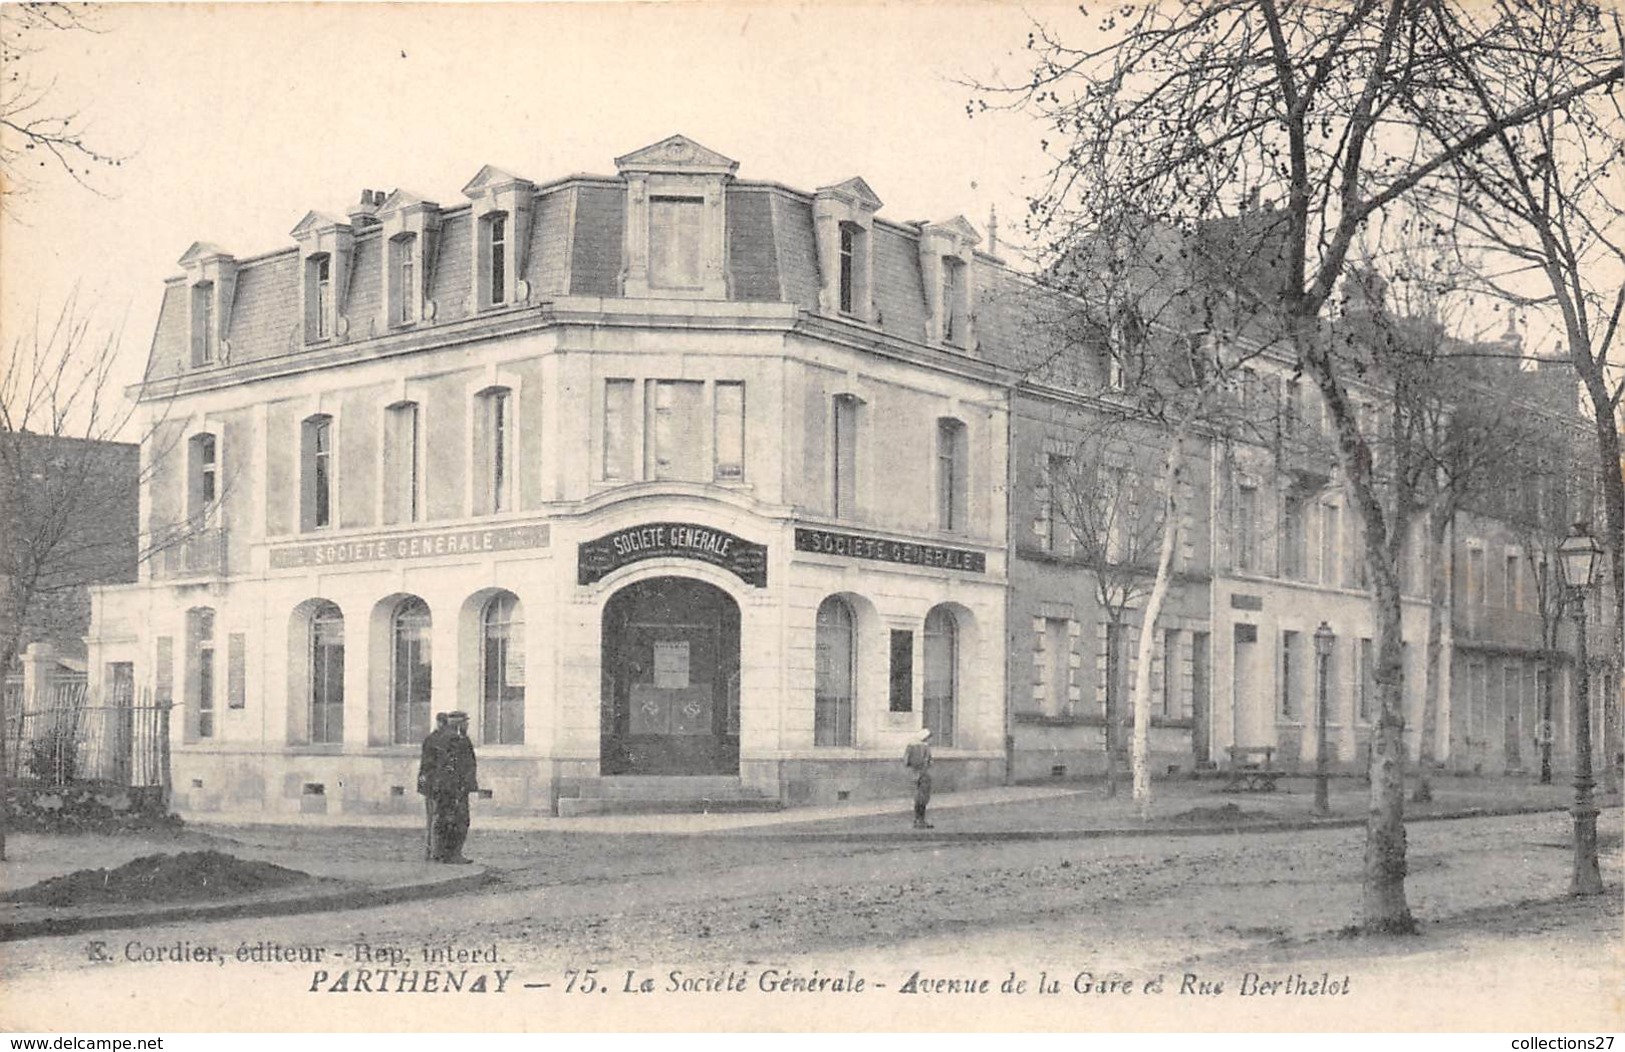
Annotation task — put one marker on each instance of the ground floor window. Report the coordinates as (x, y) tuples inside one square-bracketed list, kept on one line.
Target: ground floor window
[(410, 672), (941, 674), (327, 674), (502, 709), (832, 701)]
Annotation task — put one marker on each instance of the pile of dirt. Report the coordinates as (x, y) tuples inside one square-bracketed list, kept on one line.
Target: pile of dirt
[(190, 876), (1226, 815)]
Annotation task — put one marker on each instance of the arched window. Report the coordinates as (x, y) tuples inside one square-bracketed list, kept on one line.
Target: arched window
[(327, 674), (502, 664), (836, 663), (410, 670), (941, 674)]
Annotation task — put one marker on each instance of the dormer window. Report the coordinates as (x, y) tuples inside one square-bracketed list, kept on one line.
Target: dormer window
[(843, 225), (211, 286), (849, 237), (319, 296), (496, 258), (953, 297), (403, 279), (945, 271), (203, 326), (675, 235), (675, 230)]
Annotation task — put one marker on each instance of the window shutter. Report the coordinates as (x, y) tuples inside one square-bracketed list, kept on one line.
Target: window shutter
[(236, 671), (163, 674)]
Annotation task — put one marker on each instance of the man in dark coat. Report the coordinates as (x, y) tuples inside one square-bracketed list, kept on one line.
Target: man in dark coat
[(455, 781), (428, 772)]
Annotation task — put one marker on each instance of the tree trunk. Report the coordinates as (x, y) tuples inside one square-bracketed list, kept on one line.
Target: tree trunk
[(1385, 910), (1140, 760), (1438, 598)]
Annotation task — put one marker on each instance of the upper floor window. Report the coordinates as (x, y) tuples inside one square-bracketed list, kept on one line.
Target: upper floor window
[(203, 324), (729, 433), (494, 449), (403, 280), (676, 231), (674, 412), (844, 457), (1510, 584), (953, 297), (402, 488), (494, 259), (203, 487), (951, 456), (316, 472), (1246, 526), (619, 434), (1051, 492)]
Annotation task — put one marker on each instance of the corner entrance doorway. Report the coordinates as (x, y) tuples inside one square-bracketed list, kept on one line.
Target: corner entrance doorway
[(670, 701)]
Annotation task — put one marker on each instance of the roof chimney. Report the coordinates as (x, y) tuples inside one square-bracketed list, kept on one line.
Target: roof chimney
[(365, 214), (993, 231)]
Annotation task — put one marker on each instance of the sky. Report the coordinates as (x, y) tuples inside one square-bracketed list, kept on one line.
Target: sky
[(234, 120)]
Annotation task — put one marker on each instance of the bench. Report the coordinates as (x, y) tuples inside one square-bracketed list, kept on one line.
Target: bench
[(1252, 769)]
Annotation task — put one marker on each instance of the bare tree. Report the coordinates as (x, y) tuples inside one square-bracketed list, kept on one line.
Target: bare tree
[(37, 133), (60, 410), (1547, 202), (1188, 111)]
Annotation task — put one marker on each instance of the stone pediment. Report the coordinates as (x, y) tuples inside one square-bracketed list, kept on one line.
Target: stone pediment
[(958, 228), (491, 177), (315, 221), (401, 200), (202, 250), (676, 153), (857, 190)]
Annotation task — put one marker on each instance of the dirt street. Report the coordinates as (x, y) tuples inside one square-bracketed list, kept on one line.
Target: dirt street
[(721, 910)]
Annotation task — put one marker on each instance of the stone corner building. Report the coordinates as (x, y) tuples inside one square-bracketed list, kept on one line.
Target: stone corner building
[(684, 486), (691, 488)]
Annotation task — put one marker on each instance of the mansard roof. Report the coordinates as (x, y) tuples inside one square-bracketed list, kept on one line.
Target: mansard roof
[(576, 248)]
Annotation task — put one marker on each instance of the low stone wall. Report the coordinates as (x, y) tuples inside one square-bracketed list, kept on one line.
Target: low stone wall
[(86, 807)]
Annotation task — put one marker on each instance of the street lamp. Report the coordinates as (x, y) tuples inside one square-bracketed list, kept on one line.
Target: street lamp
[(1578, 556), (1324, 638)]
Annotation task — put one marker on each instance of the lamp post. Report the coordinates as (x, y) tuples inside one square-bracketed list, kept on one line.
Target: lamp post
[(1578, 556), (1324, 638)]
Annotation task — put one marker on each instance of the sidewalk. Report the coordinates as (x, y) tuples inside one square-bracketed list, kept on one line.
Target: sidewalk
[(1077, 809), (1002, 813), (339, 884)]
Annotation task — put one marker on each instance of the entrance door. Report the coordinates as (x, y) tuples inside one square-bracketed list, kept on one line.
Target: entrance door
[(670, 702)]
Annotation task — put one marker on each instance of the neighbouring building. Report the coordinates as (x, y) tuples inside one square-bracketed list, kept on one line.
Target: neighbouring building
[(67, 522)]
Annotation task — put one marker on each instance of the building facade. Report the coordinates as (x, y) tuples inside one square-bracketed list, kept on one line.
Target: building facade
[(696, 489), (683, 486)]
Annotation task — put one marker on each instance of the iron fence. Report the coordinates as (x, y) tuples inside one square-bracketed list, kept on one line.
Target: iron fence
[(77, 737)]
